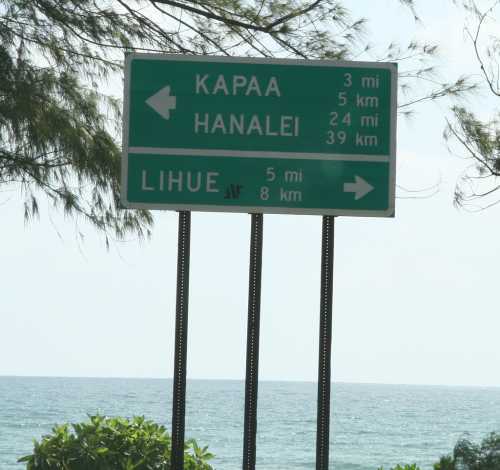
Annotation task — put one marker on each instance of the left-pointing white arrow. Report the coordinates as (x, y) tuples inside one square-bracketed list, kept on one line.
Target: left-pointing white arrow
[(360, 187), (162, 102)]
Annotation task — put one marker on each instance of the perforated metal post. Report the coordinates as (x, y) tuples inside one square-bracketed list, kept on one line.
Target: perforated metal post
[(181, 330), (325, 345), (252, 368)]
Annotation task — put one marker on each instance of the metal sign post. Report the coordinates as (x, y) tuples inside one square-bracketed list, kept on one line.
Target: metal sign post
[(325, 345), (181, 331), (253, 330)]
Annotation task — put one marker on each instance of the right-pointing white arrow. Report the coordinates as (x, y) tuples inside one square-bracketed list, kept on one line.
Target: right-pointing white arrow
[(360, 187)]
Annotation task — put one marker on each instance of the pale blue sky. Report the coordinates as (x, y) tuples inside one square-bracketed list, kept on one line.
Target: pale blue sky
[(414, 297)]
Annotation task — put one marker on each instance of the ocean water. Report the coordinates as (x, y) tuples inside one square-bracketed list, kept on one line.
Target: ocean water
[(371, 425)]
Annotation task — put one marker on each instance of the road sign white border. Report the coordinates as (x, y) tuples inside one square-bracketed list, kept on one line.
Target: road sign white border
[(250, 209)]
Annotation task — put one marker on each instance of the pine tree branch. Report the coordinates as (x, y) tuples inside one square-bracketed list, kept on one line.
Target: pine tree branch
[(192, 28), (150, 24), (213, 16), (475, 42), (473, 154), (294, 14), (230, 21), (262, 49)]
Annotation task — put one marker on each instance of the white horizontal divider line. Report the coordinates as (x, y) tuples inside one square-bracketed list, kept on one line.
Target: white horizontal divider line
[(257, 154)]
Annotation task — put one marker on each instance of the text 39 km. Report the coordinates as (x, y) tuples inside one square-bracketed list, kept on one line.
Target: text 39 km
[(259, 135)]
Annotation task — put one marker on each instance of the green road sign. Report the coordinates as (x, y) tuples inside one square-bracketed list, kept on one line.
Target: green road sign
[(259, 135)]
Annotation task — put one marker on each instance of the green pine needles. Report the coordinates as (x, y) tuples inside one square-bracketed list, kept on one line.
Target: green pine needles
[(111, 444), (58, 131)]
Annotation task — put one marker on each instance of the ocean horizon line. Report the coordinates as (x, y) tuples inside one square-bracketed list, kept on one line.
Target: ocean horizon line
[(242, 380)]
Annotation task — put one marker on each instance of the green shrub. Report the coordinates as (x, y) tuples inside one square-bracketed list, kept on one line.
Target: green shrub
[(413, 466), (111, 444), (469, 456), (445, 463)]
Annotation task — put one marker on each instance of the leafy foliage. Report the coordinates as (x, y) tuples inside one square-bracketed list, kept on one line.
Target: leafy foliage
[(469, 456), (445, 463), (412, 466), (111, 443)]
